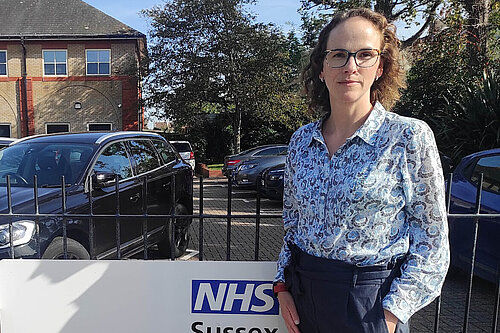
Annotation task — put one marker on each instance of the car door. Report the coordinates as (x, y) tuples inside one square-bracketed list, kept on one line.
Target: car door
[(114, 158), (463, 200), (149, 166)]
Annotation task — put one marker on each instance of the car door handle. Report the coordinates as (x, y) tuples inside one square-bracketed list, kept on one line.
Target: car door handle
[(135, 197)]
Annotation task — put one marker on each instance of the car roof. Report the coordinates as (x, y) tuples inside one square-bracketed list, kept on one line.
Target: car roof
[(88, 137), (255, 149), (483, 153), (5, 140), (179, 141)]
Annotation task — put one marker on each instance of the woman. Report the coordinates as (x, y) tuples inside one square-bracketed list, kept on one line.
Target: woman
[(366, 239)]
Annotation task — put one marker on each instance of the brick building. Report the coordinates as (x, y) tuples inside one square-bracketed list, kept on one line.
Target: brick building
[(66, 66)]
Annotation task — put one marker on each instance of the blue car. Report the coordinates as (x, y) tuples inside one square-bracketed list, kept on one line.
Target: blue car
[(463, 201)]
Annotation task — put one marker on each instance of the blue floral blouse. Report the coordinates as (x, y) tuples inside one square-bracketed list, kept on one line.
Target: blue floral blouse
[(379, 197)]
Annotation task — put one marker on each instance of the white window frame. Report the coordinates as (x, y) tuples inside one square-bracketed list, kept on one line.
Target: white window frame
[(6, 64), (66, 63), (10, 130), (110, 126), (48, 124), (87, 62)]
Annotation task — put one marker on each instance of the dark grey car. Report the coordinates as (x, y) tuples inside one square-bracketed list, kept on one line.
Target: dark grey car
[(247, 173), (232, 162)]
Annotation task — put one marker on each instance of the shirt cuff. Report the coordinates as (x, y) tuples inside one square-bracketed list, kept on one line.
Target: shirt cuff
[(398, 307)]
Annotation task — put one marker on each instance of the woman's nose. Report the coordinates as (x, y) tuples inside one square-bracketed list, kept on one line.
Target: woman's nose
[(351, 65)]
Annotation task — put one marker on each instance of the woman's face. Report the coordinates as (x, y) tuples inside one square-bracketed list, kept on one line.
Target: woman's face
[(351, 84)]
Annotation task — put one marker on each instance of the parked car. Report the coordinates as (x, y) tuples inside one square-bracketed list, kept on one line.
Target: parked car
[(272, 182), (232, 162), (4, 142), (246, 175), (463, 201), (92, 163), (185, 150)]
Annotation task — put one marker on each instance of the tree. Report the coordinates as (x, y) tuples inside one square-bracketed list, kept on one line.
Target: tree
[(394, 10), (209, 57), (457, 102)]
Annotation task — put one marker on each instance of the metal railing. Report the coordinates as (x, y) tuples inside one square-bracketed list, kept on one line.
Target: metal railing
[(229, 216)]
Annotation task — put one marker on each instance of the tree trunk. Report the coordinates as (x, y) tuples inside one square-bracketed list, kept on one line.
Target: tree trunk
[(477, 28), (237, 131)]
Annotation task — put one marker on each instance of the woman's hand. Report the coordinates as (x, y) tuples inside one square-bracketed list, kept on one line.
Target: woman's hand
[(391, 321), (288, 311)]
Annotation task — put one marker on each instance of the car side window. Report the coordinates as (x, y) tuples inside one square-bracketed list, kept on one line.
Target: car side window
[(269, 151), (166, 153), (114, 159), (490, 167), (144, 155)]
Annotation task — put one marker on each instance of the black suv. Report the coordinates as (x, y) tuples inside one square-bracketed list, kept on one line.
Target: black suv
[(141, 167)]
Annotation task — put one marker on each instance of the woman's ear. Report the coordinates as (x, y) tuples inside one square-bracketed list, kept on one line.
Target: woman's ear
[(380, 69)]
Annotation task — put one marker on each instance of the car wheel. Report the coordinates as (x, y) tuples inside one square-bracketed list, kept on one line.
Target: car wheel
[(75, 250), (181, 234)]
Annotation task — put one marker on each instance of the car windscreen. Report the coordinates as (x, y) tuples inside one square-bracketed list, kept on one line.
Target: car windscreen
[(181, 146), (48, 161)]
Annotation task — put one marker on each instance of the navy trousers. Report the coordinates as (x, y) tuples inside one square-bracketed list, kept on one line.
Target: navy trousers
[(333, 296)]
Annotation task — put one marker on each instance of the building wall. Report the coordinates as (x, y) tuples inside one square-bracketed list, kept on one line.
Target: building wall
[(103, 99)]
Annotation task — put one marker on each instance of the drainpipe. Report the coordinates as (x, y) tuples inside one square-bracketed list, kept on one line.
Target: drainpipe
[(140, 115), (24, 88)]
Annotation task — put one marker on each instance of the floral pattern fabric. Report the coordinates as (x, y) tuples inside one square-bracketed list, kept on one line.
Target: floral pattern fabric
[(379, 197)]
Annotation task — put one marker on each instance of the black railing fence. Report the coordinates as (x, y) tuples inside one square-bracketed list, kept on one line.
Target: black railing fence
[(203, 219)]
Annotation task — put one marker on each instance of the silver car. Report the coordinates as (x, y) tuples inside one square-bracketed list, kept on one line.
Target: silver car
[(185, 150)]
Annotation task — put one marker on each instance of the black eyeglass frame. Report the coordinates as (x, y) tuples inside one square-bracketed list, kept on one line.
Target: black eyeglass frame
[(352, 54)]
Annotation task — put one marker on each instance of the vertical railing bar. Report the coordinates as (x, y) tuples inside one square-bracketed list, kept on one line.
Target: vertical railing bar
[(11, 227), (117, 219), (171, 232), (200, 238), (448, 191), (64, 226), (257, 220), (173, 221), (228, 230), (497, 301), (91, 220), (144, 214), (473, 257), (437, 313), (37, 218)]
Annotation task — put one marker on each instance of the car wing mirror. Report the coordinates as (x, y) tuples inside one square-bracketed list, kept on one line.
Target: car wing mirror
[(103, 179)]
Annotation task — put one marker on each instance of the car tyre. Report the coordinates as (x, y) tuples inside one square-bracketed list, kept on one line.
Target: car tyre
[(76, 251), (181, 234)]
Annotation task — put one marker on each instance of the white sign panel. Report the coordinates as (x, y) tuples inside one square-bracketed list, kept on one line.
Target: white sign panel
[(47, 296)]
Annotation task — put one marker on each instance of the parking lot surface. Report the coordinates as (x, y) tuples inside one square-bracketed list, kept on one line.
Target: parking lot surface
[(242, 245)]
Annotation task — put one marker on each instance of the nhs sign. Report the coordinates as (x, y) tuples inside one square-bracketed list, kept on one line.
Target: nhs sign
[(233, 297)]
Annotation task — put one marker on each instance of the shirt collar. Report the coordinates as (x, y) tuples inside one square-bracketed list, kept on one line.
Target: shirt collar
[(366, 132)]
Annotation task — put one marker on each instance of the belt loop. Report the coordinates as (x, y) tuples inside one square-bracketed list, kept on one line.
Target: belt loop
[(354, 276)]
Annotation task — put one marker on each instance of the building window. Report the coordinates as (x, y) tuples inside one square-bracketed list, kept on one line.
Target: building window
[(98, 62), (3, 62), (99, 127), (55, 62), (56, 128), (5, 130)]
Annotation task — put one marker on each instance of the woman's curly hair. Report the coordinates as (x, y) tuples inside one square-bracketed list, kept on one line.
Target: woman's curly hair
[(385, 89)]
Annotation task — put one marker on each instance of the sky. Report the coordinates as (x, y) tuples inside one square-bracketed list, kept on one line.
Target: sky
[(280, 12)]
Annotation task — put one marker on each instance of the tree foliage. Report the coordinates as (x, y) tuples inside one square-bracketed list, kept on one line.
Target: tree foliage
[(210, 61), (412, 12), (443, 90)]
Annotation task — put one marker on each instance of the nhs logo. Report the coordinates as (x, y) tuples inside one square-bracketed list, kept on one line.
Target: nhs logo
[(233, 297)]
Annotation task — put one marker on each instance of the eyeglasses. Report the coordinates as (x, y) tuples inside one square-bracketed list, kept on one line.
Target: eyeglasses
[(363, 58)]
